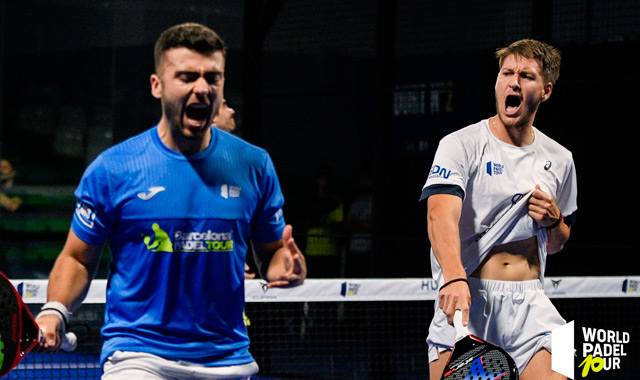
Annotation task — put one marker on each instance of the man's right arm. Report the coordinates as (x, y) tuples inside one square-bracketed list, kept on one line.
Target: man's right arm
[(443, 216), (69, 282)]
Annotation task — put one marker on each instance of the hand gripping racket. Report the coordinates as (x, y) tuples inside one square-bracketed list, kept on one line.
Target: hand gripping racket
[(473, 358), (19, 332)]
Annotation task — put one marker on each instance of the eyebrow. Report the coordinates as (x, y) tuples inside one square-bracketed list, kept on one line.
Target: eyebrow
[(208, 72), (525, 71)]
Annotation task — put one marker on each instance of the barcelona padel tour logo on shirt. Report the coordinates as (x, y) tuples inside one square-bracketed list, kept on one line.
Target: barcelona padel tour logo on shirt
[(209, 241)]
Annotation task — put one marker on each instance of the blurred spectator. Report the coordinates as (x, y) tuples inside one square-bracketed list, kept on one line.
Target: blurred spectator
[(224, 118), (359, 225), (7, 177), (325, 222)]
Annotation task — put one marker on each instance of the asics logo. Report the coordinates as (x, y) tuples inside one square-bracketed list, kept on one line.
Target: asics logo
[(152, 192)]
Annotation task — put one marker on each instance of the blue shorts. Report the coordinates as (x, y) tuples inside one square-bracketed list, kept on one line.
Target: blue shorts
[(515, 315)]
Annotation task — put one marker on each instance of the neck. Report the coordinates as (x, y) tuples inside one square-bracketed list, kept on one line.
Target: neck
[(518, 135), (175, 140)]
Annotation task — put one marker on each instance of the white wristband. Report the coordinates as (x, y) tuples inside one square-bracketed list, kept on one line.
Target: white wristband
[(55, 308)]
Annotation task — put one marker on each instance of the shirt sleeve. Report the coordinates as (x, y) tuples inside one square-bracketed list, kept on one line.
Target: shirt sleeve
[(92, 221), (449, 169), (268, 221), (568, 194)]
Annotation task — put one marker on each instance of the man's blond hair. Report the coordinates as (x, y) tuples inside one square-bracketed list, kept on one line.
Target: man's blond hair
[(547, 56)]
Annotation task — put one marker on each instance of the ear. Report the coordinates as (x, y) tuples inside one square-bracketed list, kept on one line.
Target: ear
[(156, 86), (547, 89)]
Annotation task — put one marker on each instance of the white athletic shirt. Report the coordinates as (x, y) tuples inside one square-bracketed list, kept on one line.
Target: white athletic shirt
[(494, 176)]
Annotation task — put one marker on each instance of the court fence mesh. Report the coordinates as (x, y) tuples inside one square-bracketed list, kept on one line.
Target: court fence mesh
[(360, 328)]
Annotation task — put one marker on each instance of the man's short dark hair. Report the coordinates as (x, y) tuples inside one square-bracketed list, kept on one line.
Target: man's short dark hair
[(190, 35)]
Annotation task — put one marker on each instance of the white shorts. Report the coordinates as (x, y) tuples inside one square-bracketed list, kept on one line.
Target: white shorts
[(517, 316), (143, 366)]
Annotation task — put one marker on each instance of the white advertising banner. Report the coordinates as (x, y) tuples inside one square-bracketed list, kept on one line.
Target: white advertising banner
[(404, 289)]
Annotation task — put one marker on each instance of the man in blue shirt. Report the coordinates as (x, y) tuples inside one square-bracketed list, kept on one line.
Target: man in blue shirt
[(179, 204)]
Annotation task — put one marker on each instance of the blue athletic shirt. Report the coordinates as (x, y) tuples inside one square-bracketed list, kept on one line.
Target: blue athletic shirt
[(178, 229)]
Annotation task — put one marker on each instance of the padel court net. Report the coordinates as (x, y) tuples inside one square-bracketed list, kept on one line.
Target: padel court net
[(347, 328)]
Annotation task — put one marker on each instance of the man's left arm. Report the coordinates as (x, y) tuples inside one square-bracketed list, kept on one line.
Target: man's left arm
[(281, 263), (558, 236)]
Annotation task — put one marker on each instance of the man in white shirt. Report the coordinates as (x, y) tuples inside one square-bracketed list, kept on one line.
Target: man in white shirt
[(489, 262)]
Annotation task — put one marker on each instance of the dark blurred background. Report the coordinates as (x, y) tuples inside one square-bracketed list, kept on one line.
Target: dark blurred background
[(349, 97)]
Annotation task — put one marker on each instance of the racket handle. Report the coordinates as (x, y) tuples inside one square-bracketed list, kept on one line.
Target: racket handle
[(461, 331), (69, 340)]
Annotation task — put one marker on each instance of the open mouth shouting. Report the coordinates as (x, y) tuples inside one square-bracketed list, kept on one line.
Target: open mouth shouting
[(197, 115), (512, 105)]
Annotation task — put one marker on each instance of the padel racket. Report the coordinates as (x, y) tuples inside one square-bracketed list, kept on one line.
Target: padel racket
[(19, 332), (473, 358)]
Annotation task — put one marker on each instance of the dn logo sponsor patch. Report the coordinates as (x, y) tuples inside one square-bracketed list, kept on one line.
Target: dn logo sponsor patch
[(438, 171)]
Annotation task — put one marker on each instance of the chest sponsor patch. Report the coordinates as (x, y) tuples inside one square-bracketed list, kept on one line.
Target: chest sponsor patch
[(187, 241)]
